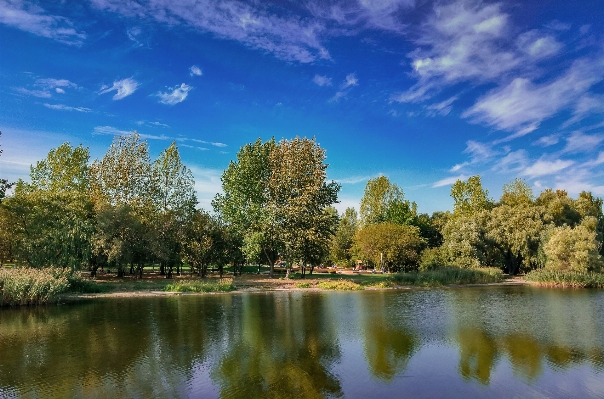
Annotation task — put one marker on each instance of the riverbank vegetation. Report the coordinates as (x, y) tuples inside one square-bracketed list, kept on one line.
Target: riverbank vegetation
[(124, 212)]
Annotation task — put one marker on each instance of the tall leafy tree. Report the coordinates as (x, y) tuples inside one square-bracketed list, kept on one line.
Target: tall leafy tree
[(343, 240), (244, 201), (384, 201), (469, 197), (122, 184), (299, 196), (516, 192), (174, 196)]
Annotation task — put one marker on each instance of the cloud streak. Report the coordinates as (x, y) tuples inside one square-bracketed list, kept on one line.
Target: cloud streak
[(123, 88), (177, 95)]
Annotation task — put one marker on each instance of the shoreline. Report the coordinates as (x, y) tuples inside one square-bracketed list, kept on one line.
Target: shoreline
[(278, 286)]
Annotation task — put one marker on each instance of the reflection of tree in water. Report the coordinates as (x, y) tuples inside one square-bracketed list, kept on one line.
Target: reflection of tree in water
[(487, 331), (388, 343), (103, 349), (477, 354), (286, 349)]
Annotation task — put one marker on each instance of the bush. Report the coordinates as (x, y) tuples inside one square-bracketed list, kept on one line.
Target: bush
[(342, 285), (27, 286), (431, 259), (303, 285), (450, 276), (573, 250), (556, 278), (224, 285)]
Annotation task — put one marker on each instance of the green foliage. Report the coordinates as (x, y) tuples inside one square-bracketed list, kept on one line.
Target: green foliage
[(384, 202), (64, 169), (340, 285), (449, 276), (343, 240), (223, 285), (27, 286), (569, 279), (573, 249), (395, 247), (517, 193), (469, 197), (431, 259), (465, 242), (559, 206), (303, 285)]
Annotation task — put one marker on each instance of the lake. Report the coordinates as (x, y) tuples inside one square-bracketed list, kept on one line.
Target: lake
[(492, 342)]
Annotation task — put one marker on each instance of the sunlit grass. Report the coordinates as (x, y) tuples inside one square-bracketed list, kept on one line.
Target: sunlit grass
[(224, 285), (449, 276), (551, 278), (339, 285)]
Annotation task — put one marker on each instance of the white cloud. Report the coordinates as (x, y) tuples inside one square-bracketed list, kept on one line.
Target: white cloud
[(59, 90), (537, 45), (587, 105), (443, 108), (357, 179), (32, 18), (177, 95), (351, 80), (134, 34), (512, 162), (547, 141), (579, 142), (123, 88), (522, 103), (207, 185), (195, 71), (286, 37), (322, 80), (542, 167), (214, 143), (448, 181), (62, 107), (35, 93), (112, 131), (50, 83)]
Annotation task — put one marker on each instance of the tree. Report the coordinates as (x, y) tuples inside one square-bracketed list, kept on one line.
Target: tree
[(469, 197), (244, 201), (516, 193), (173, 187), (559, 206), (343, 240), (299, 197), (52, 215), (465, 243), (384, 201), (391, 246), (122, 186), (574, 249)]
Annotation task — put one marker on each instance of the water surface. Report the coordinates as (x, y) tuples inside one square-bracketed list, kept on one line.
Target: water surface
[(497, 342)]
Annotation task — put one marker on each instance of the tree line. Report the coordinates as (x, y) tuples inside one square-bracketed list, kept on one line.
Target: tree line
[(125, 211)]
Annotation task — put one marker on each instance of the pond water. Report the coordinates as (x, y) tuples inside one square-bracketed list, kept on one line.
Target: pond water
[(498, 342)]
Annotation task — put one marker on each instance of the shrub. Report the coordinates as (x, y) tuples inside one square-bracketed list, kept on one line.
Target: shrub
[(431, 259), (573, 250), (449, 276), (27, 286), (303, 285), (224, 285), (343, 285), (556, 278)]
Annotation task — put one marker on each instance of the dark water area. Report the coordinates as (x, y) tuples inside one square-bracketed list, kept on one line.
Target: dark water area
[(492, 342)]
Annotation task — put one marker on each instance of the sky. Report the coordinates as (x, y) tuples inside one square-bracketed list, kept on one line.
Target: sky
[(423, 92)]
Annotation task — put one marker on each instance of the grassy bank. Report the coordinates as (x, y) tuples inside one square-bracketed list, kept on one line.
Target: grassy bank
[(550, 278), (22, 286), (224, 285), (449, 276)]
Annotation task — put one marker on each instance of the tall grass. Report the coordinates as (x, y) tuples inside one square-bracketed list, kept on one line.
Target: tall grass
[(449, 276), (552, 278), (340, 284), (26, 286), (224, 285)]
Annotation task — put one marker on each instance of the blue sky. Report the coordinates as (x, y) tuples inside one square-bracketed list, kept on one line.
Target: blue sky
[(423, 92)]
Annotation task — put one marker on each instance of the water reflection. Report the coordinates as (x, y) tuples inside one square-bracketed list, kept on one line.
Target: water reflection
[(308, 345)]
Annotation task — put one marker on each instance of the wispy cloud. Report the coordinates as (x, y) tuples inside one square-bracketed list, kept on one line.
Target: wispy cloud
[(123, 88), (35, 93), (443, 108), (177, 95), (448, 181), (62, 107), (33, 19), (522, 103), (350, 81), (215, 144), (195, 71), (357, 179), (50, 83), (112, 131), (578, 142), (287, 37), (544, 167), (322, 80)]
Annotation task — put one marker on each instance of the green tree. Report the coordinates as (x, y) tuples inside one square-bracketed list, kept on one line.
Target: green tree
[(516, 193), (465, 241), (559, 206), (574, 249), (122, 185), (299, 197), (343, 240), (384, 201), (174, 203), (393, 247), (469, 197), (244, 201)]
